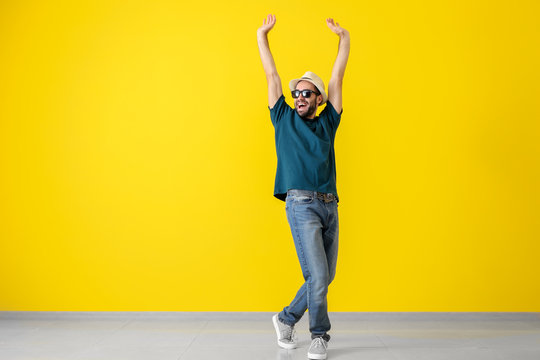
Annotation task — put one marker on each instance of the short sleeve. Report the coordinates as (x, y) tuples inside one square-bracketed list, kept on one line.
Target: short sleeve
[(280, 109), (331, 115)]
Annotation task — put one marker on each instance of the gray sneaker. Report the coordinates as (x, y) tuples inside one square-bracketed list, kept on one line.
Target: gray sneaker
[(286, 335), (317, 350)]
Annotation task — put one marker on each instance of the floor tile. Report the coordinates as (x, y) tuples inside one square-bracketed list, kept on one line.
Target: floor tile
[(444, 354), (130, 353)]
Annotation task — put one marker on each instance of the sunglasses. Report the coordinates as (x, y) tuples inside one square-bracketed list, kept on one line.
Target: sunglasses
[(305, 93)]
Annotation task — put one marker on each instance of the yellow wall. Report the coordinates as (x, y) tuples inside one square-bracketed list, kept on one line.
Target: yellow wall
[(137, 155)]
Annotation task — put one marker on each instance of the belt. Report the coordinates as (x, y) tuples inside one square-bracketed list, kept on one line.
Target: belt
[(326, 197)]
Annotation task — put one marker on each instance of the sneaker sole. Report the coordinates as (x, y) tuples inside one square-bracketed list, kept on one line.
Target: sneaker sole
[(280, 343), (316, 356)]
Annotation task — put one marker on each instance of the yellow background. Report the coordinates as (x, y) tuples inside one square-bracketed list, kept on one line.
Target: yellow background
[(137, 155)]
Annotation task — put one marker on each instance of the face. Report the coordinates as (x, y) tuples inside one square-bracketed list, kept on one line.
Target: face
[(307, 107)]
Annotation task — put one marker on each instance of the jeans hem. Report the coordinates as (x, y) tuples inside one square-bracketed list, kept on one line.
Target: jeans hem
[(284, 322), (325, 336)]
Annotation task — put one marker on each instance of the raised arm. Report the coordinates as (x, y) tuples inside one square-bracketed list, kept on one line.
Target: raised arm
[(335, 85), (272, 78)]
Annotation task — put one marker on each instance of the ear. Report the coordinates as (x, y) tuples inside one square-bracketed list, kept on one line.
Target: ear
[(319, 100)]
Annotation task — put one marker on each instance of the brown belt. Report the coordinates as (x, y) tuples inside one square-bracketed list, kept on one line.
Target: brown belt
[(326, 197)]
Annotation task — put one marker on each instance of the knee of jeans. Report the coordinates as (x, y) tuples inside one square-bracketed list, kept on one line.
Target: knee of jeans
[(319, 285), (331, 277)]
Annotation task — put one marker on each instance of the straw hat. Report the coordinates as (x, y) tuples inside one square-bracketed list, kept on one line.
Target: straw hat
[(312, 78)]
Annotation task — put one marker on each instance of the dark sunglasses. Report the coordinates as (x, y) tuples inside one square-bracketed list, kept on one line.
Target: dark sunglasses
[(305, 93)]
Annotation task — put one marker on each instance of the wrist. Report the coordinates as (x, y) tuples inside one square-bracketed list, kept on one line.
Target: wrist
[(344, 34)]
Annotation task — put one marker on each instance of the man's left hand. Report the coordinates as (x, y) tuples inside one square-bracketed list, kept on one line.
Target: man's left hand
[(335, 27)]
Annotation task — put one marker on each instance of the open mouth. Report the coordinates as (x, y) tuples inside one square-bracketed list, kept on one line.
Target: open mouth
[(302, 106)]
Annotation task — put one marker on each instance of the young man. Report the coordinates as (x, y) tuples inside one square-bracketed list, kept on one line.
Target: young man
[(306, 181)]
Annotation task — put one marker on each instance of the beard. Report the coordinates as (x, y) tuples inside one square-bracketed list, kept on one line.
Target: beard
[(312, 108)]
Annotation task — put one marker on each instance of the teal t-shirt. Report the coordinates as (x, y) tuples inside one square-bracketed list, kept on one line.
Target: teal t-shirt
[(305, 149)]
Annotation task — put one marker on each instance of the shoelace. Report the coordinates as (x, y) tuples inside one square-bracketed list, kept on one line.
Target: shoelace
[(319, 341), (290, 333)]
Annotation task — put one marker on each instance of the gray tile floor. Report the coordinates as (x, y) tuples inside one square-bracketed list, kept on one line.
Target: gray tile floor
[(247, 336)]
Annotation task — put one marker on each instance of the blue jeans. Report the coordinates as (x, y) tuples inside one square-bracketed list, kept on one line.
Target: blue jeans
[(314, 226)]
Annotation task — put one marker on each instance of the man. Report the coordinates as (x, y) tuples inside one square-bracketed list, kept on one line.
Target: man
[(306, 181)]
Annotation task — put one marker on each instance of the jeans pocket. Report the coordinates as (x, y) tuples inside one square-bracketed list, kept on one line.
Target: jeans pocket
[(300, 199)]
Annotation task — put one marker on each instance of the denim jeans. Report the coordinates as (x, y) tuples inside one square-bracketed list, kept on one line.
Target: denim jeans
[(314, 226)]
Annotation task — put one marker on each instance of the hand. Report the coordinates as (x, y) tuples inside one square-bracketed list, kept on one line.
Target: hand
[(267, 25), (335, 27)]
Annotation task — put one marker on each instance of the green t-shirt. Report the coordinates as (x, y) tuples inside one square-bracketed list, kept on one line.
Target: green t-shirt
[(305, 150)]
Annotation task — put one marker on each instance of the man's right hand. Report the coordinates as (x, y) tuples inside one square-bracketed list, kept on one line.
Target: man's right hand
[(267, 25)]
